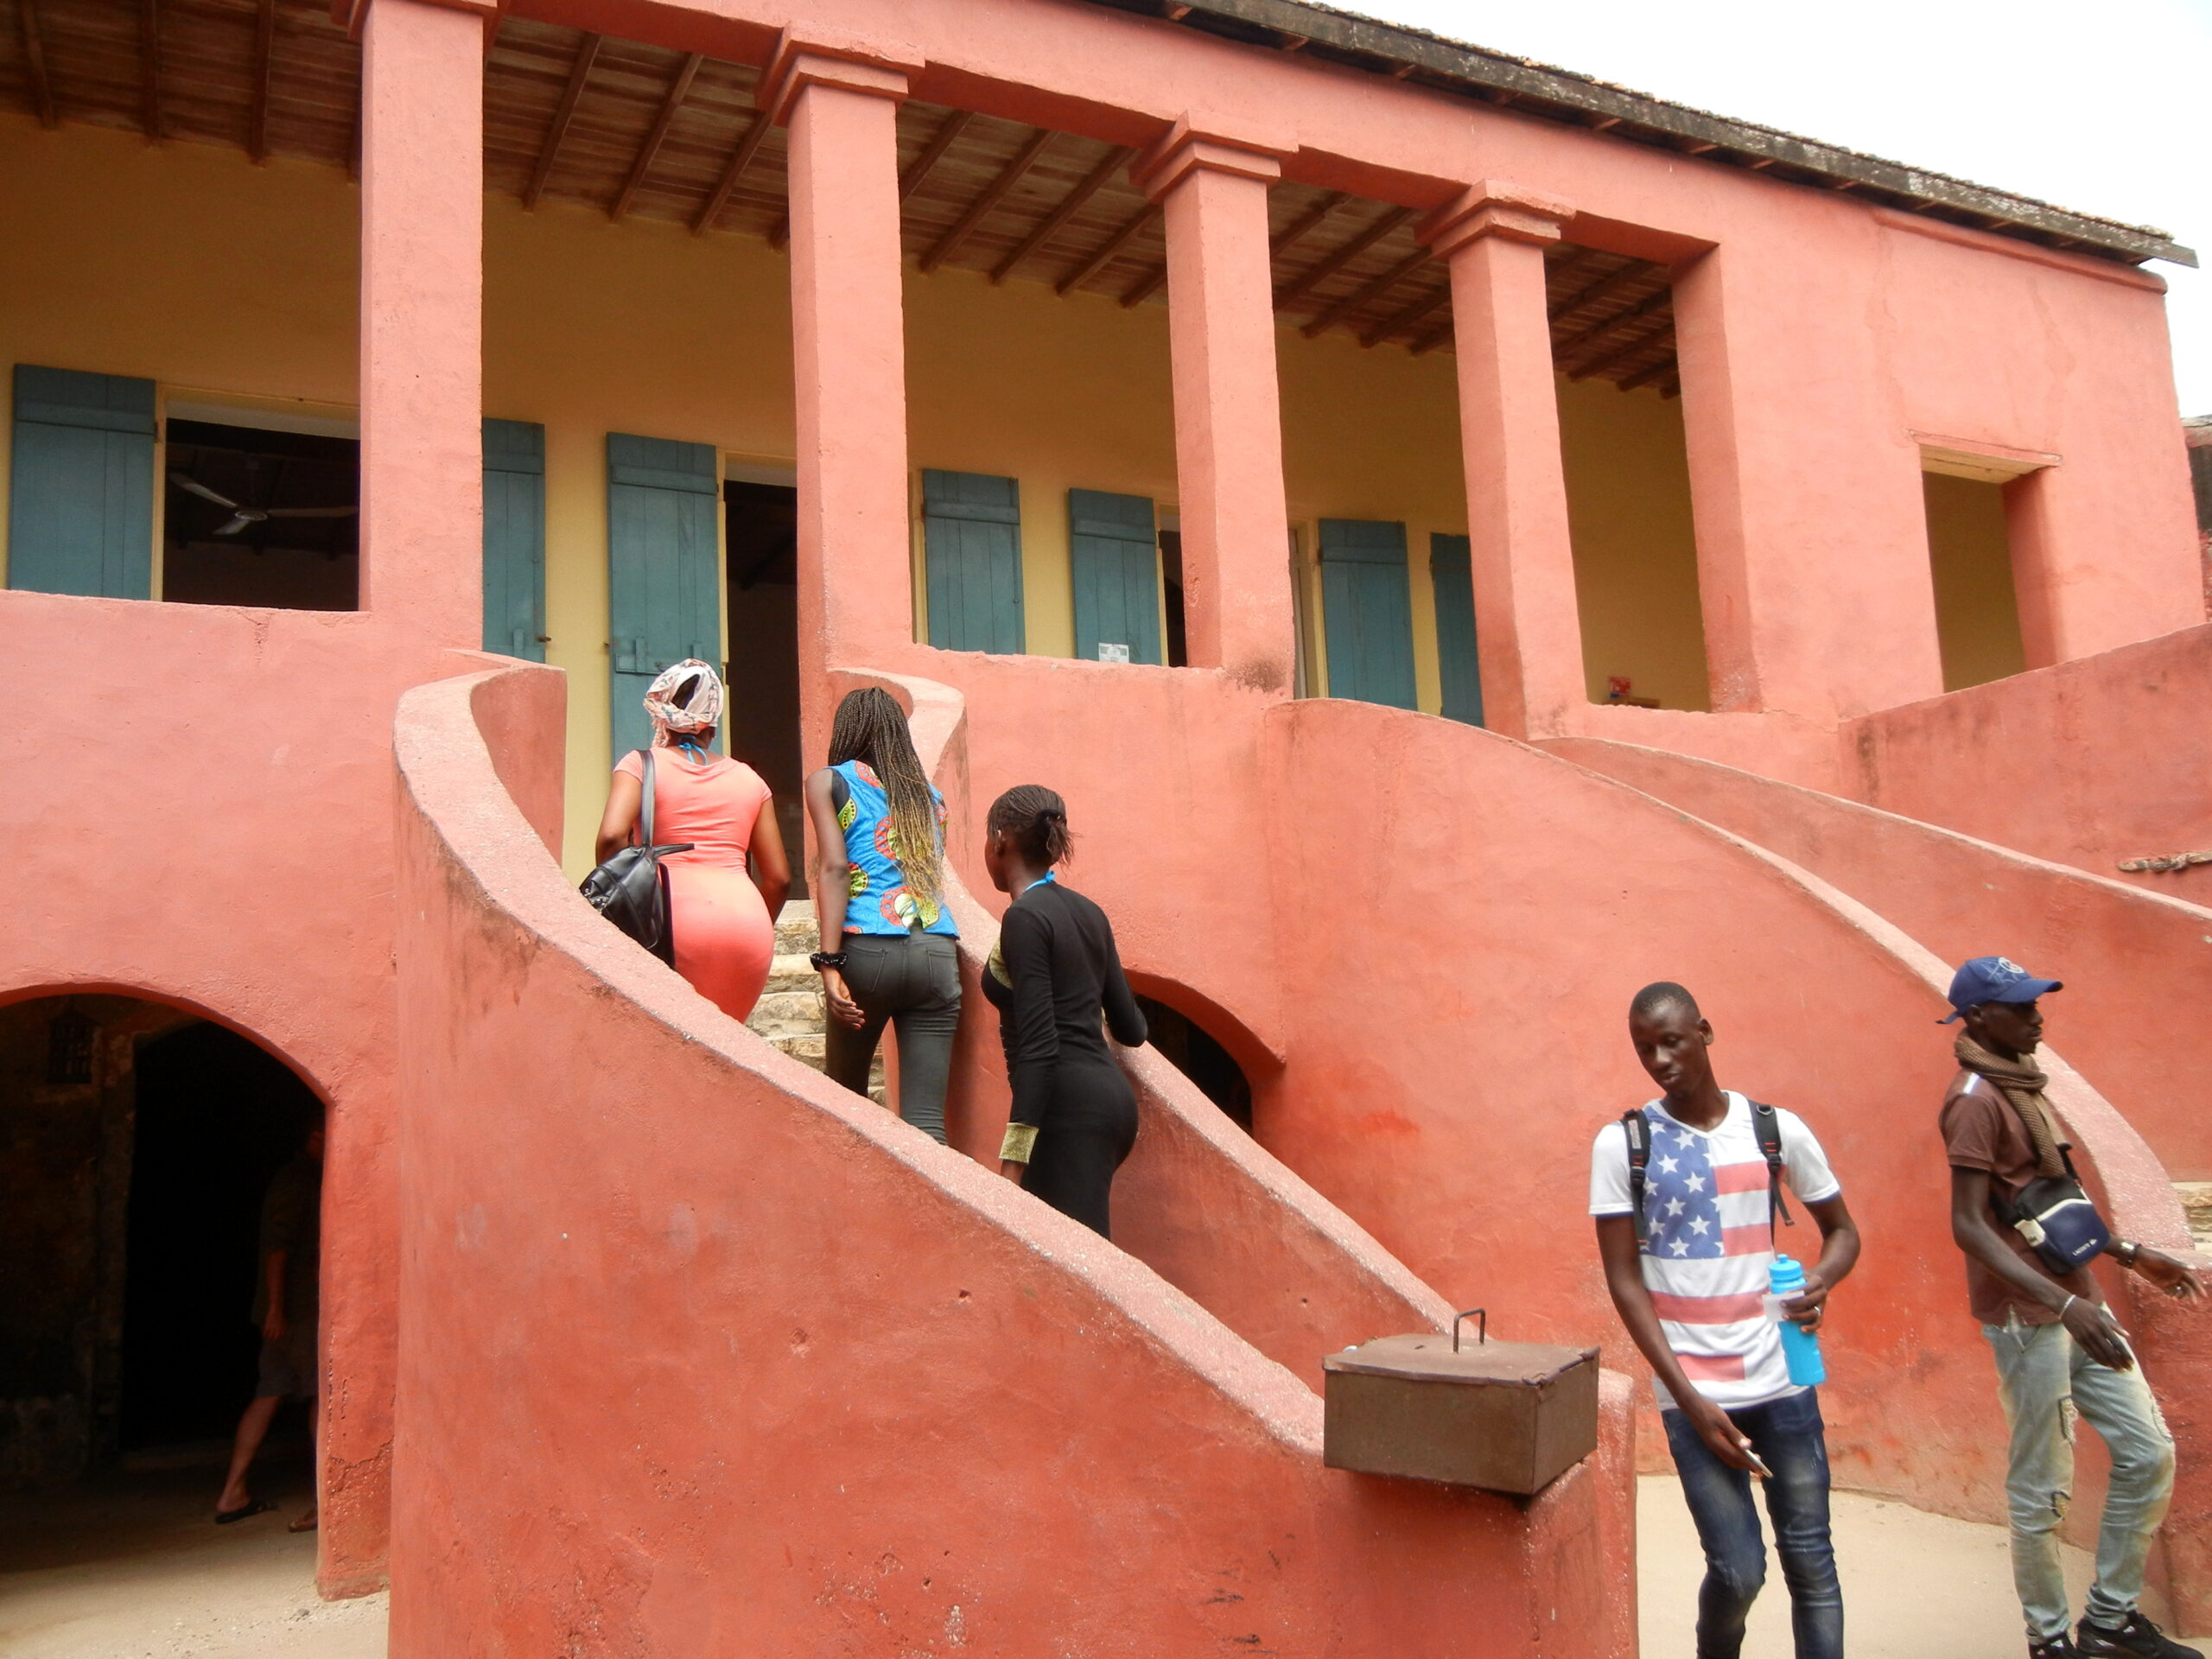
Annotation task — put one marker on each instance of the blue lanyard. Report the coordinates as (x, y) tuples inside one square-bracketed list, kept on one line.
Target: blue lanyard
[(1038, 883)]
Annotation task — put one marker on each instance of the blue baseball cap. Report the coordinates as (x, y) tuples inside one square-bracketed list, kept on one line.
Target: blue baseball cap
[(1994, 979)]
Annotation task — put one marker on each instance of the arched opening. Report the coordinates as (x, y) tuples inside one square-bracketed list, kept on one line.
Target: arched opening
[(1198, 1056), (138, 1143)]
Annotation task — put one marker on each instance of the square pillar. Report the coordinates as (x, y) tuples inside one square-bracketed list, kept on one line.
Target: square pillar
[(422, 523), (839, 95), (1528, 627), (1213, 185)]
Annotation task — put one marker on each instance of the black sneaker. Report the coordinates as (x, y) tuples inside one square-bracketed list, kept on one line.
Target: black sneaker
[(2059, 1647), (2137, 1639)]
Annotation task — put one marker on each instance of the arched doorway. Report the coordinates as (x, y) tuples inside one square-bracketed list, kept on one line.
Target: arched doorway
[(1194, 1052)]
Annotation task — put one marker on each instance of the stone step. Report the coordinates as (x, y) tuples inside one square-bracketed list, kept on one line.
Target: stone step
[(796, 934), (2196, 1204), (810, 1048), (792, 973), (788, 1013)]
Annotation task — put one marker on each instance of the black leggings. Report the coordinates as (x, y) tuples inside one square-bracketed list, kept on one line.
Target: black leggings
[(1088, 1131), (913, 981)]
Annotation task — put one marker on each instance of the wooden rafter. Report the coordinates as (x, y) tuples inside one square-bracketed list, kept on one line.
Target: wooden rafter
[(264, 52), (1435, 338), (933, 152), (740, 158), (1145, 286), (1330, 264), (549, 151), (149, 68), (1634, 338), (1305, 223), (34, 39), (679, 90), (1591, 293), (1659, 371), (1644, 307), (1009, 175), (1096, 262), (1408, 315), (1374, 288), (1093, 182)]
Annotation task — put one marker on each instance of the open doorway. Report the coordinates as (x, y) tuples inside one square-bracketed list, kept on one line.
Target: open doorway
[(761, 531), (1970, 563)]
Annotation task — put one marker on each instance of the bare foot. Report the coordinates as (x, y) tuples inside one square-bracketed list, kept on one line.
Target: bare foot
[(306, 1524)]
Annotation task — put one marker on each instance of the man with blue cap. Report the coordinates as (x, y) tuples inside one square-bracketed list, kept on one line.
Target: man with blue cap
[(2055, 1340)]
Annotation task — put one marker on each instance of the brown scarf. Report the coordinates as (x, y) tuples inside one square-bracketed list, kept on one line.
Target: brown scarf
[(2022, 1084)]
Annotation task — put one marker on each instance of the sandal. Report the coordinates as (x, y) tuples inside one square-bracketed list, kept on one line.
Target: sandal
[(253, 1506)]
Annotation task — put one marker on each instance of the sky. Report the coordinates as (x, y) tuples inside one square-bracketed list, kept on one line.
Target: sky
[(2086, 103)]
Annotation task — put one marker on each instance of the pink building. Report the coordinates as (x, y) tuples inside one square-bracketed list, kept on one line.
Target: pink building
[(1465, 539)]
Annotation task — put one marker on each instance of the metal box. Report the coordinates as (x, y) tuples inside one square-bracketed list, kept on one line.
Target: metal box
[(1506, 1416)]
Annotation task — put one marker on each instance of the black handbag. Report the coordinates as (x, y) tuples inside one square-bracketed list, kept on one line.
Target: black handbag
[(631, 889), (2055, 1218)]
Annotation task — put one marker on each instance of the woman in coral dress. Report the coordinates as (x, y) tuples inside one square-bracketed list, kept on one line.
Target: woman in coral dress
[(723, 912)]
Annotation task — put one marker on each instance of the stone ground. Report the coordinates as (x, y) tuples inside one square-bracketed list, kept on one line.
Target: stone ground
[(137, 1571)]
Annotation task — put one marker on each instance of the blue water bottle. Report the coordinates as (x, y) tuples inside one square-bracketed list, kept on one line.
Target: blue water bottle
[(1799, 1347)]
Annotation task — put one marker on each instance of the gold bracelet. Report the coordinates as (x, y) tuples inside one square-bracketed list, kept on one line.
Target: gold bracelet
[(1021, 1140)]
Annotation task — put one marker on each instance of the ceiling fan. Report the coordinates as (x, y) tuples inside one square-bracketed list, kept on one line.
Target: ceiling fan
[(243, 518)]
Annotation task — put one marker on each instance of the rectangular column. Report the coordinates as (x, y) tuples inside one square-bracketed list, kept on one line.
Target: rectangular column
[(422, 319), (1236, 593), (1527, 625), (839, 97)]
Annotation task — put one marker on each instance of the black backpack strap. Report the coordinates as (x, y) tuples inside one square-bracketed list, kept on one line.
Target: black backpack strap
[(1637, 1128), (1768, 1128)]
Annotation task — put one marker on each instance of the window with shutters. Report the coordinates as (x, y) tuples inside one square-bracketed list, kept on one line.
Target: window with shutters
[(260, 516), (664, 555), (1114, 568), (81, 509), (1367, 611), (971, 541), (514, 539)]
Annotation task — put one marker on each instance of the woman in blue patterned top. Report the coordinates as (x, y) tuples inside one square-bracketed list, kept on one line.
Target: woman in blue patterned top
[(879, 834)]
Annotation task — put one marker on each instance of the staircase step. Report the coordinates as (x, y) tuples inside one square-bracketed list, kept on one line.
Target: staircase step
[(796, 933), (792, 973), (788, 1013), (2196, 1204), (810, 1048)]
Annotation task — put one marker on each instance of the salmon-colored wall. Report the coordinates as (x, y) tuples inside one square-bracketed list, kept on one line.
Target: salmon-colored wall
[(721, 1321), (2123, 953)]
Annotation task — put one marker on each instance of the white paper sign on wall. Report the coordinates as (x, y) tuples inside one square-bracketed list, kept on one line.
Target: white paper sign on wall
[(1112, 653)]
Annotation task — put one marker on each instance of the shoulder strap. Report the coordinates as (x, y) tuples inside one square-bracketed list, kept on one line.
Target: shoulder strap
[(1768, 1128), (1637, 1128), (645, 802)]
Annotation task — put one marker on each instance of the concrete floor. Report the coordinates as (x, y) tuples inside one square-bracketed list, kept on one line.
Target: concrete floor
[(137, 1572)]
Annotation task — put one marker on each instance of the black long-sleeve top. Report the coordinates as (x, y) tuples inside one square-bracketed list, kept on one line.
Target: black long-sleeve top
[(1059, 950)]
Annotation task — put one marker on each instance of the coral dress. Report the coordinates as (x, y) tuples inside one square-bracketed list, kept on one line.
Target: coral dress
[(725, 937)]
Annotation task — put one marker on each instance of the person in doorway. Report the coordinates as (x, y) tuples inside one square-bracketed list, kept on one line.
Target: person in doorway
[(1052, 973), (879, 834), (287, 1306), (1688, 1283), (2057, 1343), (722, 913)]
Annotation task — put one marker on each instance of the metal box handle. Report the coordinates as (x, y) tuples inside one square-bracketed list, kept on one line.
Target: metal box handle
[(1481, 1317)]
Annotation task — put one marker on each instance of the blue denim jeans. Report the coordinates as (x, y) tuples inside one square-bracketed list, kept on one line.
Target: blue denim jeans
[(2045, 1378), (1788, 1437)]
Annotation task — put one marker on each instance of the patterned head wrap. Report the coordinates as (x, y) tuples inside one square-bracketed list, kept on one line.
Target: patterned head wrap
[(702, 710)]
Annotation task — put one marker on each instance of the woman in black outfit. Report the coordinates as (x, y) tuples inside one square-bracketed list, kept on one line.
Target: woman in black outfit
[(1053, 969)]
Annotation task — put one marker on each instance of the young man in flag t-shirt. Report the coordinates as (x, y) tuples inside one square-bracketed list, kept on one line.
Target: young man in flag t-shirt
[(1692, 1299)]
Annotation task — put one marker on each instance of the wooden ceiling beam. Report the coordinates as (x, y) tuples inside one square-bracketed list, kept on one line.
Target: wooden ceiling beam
[(1145, 286), (933, 152), (1407, 316), (149, 69), (1634, 338), (679, 90), (1581, 337), (549, 151), (1371, 289), (1659, 371), (34, 42), (1435, 338), (1112, 244), (1329, 265), (978, 210), (265, 50), (1591, 293), (1093, 182), (1305, 223), (740, 159)]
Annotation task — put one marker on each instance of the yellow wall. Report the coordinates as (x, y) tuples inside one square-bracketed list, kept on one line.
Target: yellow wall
[(1977, 613), (192, 266)]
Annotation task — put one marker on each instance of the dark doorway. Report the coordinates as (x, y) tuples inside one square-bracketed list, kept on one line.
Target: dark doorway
[(1200, 1058), (217, 1117), (761, 724), (252, 517), (1171, 578)]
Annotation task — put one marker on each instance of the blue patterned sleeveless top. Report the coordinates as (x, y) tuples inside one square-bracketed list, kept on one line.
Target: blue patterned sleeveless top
[(879, 902)]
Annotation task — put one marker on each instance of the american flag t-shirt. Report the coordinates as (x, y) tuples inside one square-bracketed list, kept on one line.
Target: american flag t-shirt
[(1709, 1241)]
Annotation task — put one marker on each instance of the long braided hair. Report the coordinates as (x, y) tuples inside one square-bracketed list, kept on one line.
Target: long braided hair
[(871, 727)]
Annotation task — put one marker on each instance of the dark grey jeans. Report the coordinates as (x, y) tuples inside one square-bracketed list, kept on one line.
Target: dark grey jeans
[(913, 981)]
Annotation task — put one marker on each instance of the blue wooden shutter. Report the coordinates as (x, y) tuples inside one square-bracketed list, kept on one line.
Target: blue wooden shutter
[(1452, 574), (664, 567), (971, 539), (80, 517), (1113, 562), (1367, 611), (514, 539)]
